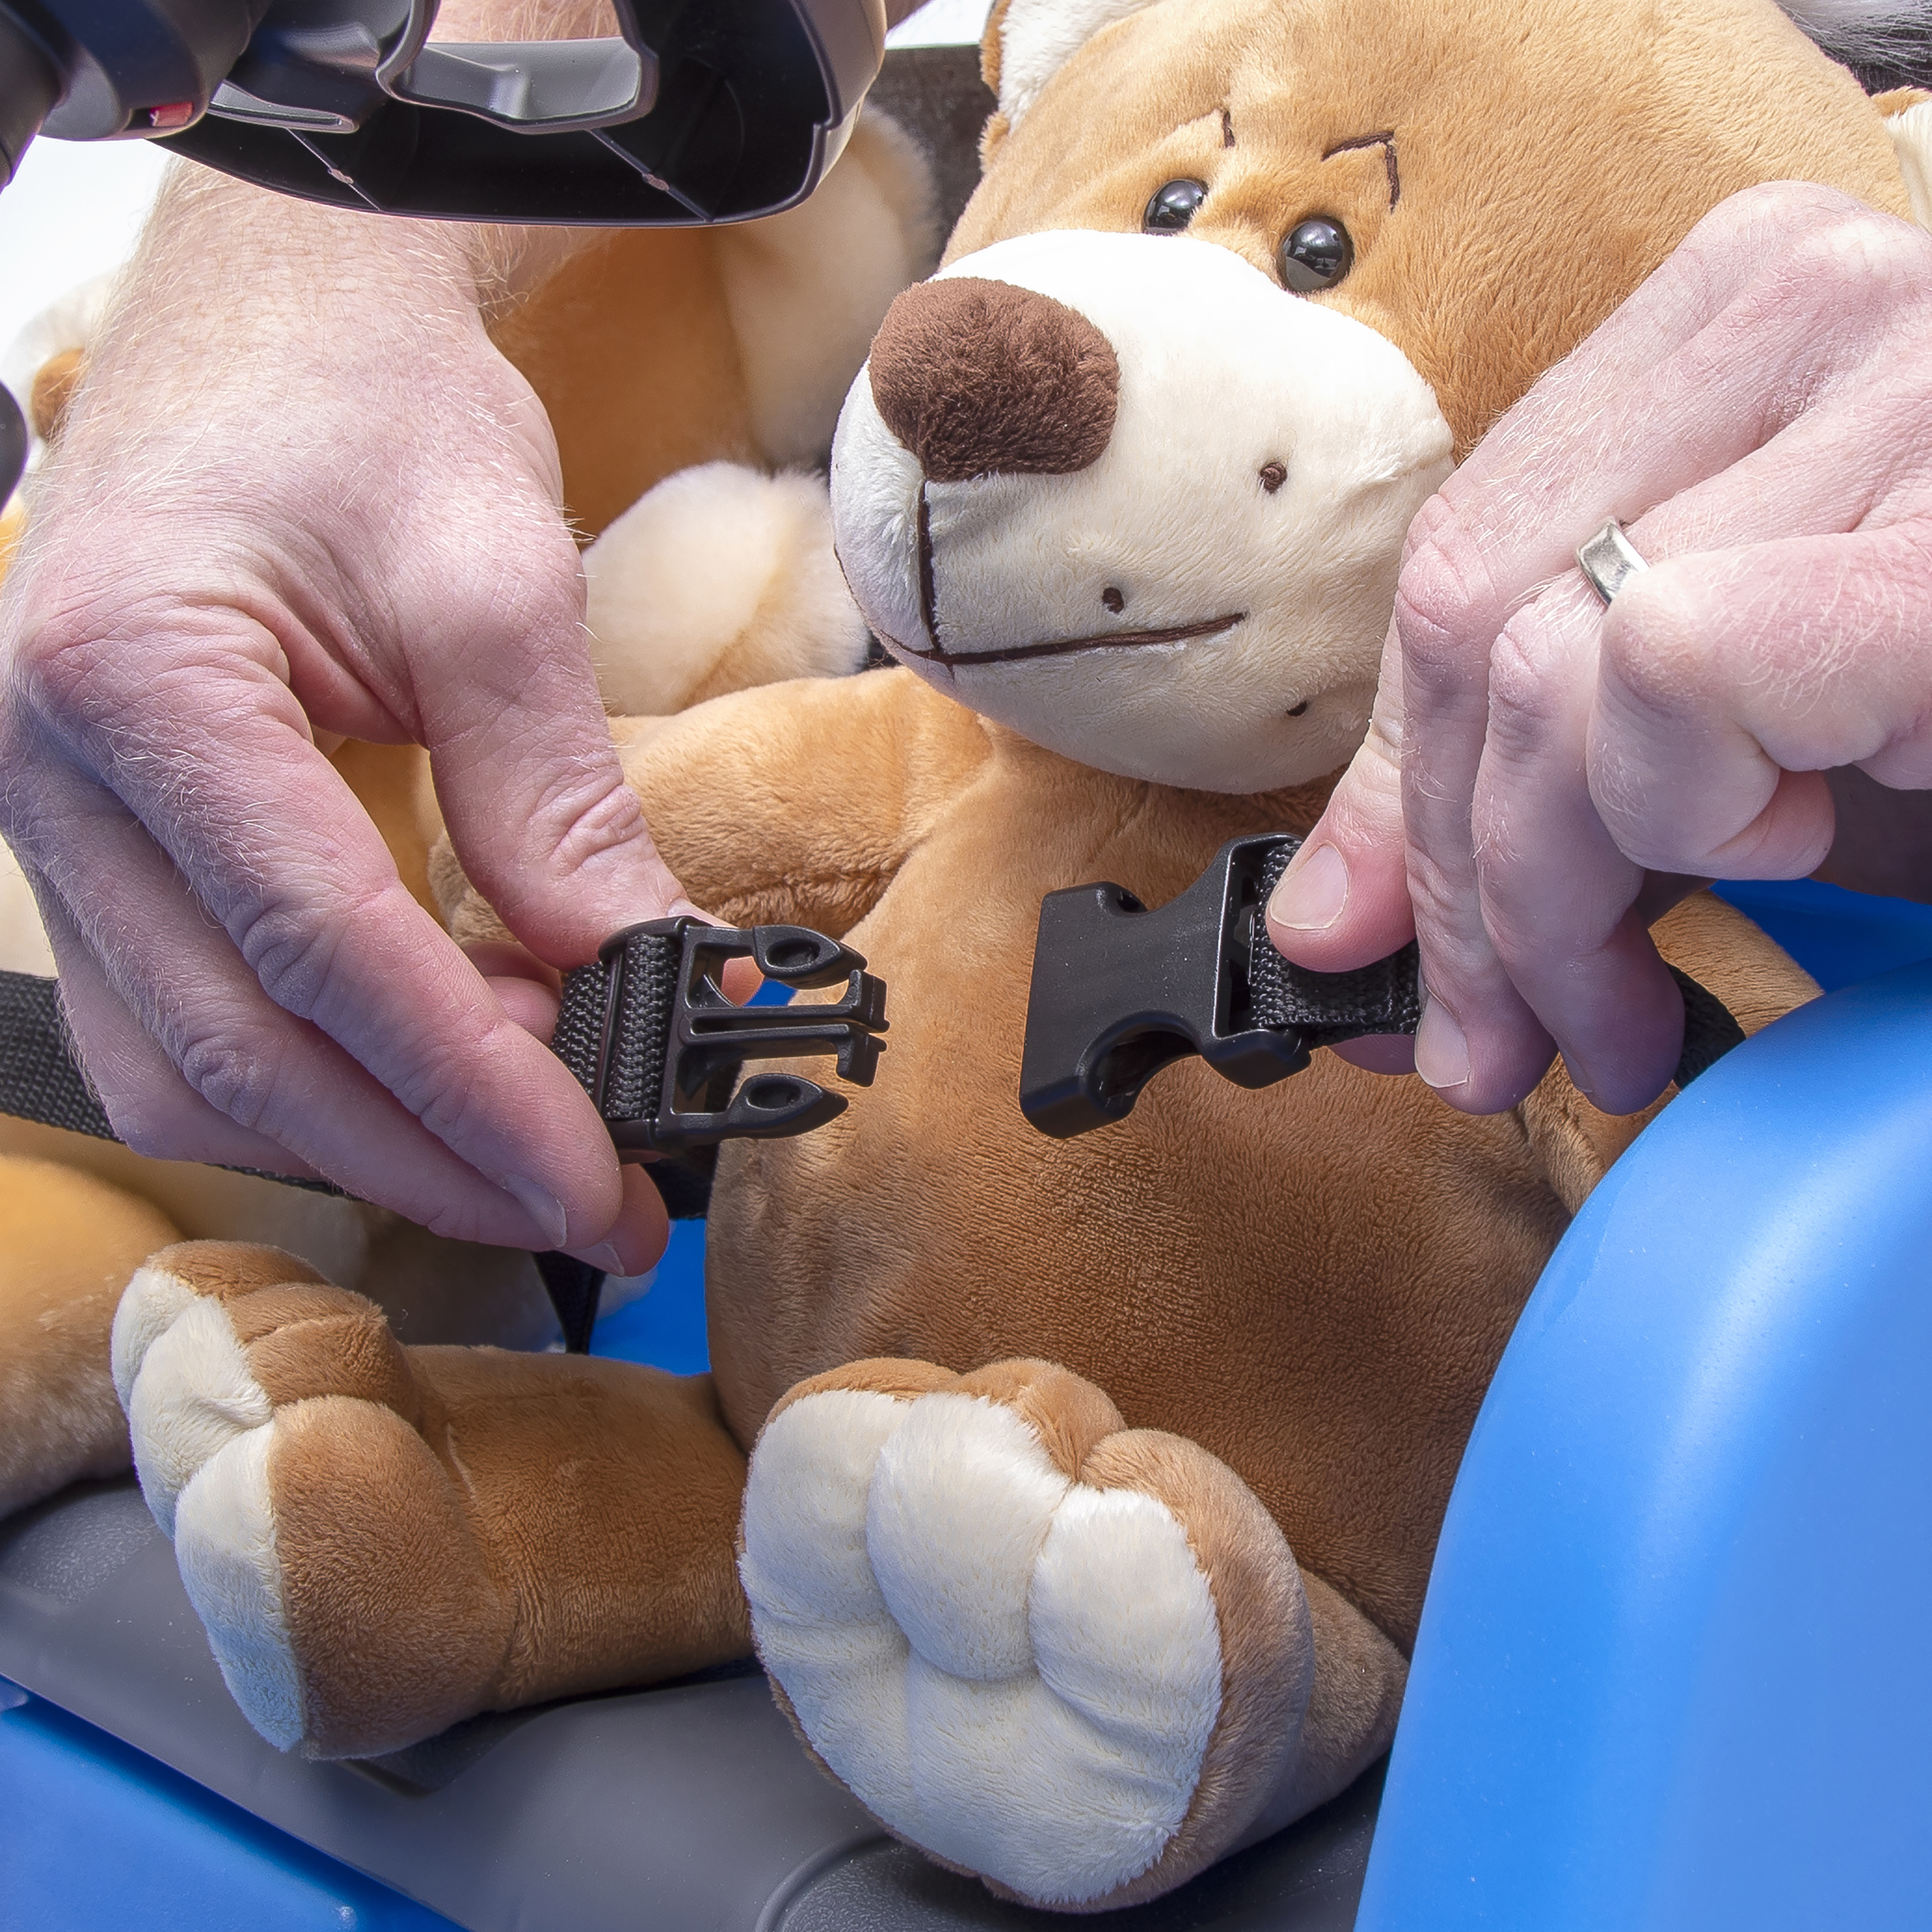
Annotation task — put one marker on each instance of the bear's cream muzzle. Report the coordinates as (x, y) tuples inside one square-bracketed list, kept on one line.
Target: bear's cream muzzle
[(1126, 495)]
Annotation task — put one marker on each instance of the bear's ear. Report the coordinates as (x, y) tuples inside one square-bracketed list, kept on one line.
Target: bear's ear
[(1027, 42)]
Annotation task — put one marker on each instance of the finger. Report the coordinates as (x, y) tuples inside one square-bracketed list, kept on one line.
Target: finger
[(1562, 905), (1779, 633), (1775, 299), (530, 783), (1352, 896), (154, 1111), (1708, 646), (279, 1075), (529, 991), (1379, 1053), (1343, 901), (641, 1231), (1732, 680), (1703, 368), (138, 1086), (1480, 1043)]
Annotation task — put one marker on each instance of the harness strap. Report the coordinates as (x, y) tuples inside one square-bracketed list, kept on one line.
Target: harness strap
[(1386, 997), (647, 1031)]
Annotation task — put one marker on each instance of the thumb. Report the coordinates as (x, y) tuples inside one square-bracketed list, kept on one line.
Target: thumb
[(1343, 901)]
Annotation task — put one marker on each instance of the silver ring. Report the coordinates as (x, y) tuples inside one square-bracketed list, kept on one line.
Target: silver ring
[(1609, 560)]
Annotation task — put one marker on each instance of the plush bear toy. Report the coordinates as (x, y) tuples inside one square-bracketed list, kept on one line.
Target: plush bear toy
[(1092, 1484), (687, 369)]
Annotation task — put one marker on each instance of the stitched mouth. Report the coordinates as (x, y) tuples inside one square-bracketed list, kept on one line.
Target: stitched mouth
[(1052, 647), (1055, 647)]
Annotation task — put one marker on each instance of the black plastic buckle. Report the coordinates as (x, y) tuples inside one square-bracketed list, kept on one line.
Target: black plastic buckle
[(1119, 992), (659, 1047)]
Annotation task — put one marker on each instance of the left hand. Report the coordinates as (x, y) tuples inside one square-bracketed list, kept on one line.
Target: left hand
[(1543, 778)]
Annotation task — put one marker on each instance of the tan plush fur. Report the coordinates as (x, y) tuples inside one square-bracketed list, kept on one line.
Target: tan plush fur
[(1390, 1241), (1293, 1299), (67, 1244), (665, 348), (454, 1482), (1559, 110)]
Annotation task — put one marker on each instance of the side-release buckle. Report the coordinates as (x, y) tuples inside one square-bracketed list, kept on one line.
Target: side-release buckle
[(658, 1046), (1119, 992)]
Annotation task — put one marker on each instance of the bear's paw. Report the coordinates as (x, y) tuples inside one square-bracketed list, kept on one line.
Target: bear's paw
[(1067, 1656)]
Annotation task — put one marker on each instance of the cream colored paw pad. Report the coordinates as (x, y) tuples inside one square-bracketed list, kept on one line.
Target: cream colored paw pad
[(192, 1395), (203, 1429), (149, 1307), (1017, 1671)]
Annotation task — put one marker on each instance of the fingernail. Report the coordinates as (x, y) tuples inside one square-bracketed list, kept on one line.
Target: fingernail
[(540, 1205), (1576, 1079), (1311, 897), (608, 1258), (1441, 1053)]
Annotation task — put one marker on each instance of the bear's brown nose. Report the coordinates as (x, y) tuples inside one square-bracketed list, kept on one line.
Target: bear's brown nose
[(978, 379)]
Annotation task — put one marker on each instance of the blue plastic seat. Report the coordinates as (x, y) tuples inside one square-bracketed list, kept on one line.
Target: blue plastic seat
[(1672, 1672)]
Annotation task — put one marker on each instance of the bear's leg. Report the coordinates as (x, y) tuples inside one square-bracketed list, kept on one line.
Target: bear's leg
[(67, 1243), (381, 1540), (1074, 1659)]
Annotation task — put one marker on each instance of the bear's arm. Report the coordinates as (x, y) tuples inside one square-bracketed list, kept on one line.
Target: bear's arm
[(788, 804), (1722, 950), (797, 803)]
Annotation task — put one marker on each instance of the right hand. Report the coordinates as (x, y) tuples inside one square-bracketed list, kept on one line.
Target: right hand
[(301, 495)]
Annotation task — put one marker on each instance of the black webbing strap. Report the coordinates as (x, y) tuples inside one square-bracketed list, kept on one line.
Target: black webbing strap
[(1711, 1029), (613, 1027), (1327, 1008), (40, 1078), (1387, 996)]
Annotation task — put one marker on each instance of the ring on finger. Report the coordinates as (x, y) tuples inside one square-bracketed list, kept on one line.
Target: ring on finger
[(1609, 560)]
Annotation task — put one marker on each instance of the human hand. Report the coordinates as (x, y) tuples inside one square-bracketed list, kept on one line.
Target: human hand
[(301, 494), (1544, 777)]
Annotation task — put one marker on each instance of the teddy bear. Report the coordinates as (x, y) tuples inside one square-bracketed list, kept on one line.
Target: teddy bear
[(694, 378), (1077, 1496)]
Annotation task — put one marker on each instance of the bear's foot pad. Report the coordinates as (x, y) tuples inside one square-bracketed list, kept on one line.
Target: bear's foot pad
[(1067, 1657)]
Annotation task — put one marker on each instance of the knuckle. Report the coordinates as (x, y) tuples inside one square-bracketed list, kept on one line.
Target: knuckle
[(1442, 897), (608, 819), (584, 816), (1439, 599), (445, 1101), (1524, 694), (294, 946), (236, 1071)]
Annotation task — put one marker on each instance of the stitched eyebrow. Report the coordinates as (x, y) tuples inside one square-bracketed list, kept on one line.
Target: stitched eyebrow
[(1385, 140)]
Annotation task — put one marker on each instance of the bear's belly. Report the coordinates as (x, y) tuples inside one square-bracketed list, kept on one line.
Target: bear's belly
[(1314, 1281)]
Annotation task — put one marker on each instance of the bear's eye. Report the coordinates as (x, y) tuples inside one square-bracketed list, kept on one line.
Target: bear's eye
[(1173, 207), (1316, 256)]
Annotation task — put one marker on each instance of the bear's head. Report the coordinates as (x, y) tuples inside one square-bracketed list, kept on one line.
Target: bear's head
[(1242, 280)]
